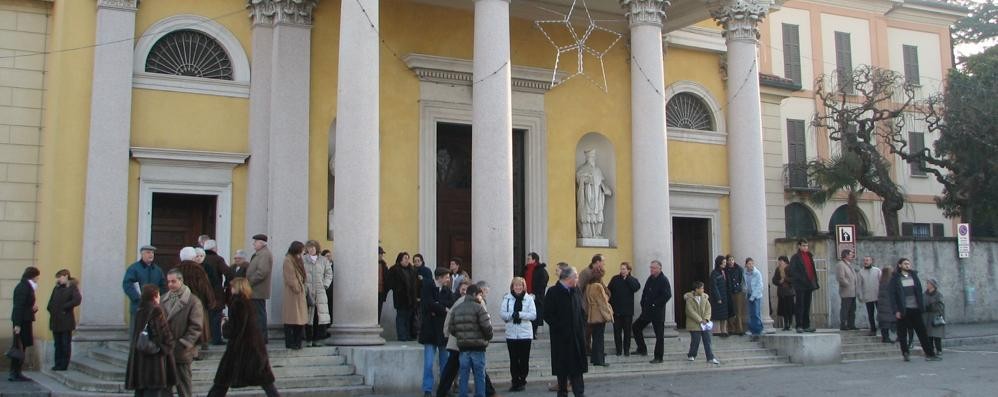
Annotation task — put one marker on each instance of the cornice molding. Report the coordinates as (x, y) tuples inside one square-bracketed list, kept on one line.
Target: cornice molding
[(456, 71), (127, 5), (696, 37), (281, 12), (645, 12), (740, 18), (188, 158)]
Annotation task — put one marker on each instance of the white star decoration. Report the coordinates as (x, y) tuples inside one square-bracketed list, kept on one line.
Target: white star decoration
[(580, 45)]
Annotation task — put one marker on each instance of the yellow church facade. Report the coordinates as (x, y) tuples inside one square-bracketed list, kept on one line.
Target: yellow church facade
[(162, 120)]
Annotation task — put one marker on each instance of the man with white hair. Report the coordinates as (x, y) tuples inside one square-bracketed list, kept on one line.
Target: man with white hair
[(218, 275), (240, 263), (567, 322), (185, 316), (197, 281), (258, 274)]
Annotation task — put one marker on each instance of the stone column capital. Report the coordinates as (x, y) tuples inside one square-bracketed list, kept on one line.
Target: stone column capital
[(288, 12), (740, 18), (645, 12), (128, 5)]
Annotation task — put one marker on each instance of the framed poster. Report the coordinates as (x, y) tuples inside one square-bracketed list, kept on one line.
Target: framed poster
[(845, 234)]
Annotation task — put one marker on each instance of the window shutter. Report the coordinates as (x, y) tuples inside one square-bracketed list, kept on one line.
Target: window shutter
[(796, 153), (791, 52), (937, 230), (843, 61), (907, 229), (911, 65), (916, 143)]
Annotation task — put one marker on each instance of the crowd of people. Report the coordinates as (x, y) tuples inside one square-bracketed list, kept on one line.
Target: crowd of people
[(177, 311)]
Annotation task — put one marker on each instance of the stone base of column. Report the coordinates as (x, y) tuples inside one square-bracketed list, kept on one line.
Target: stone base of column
[(670, 330), (355, 335)]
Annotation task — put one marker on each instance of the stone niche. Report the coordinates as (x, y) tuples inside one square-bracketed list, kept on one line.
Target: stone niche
[(589, 232)]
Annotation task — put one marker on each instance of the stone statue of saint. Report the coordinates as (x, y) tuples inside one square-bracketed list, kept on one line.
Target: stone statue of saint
[(591, 195)]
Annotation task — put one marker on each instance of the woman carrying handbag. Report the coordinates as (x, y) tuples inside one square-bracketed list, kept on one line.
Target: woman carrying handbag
[(22, 317), (151, 370)]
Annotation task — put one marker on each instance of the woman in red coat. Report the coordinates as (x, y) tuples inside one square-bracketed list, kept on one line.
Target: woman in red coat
[(245, 361)]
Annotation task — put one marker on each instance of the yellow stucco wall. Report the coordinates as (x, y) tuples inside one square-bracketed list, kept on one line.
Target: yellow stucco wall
[(212, 123)]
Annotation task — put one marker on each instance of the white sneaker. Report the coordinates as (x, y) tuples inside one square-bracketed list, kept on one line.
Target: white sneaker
[(714, 361), (691, 358)]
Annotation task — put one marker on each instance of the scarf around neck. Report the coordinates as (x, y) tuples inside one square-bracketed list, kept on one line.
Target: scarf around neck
[(175, 300)]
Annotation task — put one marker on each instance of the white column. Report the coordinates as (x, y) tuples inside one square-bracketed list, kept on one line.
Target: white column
[(106, 198), (492, 151), (286, 135), (649, 148), (259, 132), (355, 221), (740, 20)]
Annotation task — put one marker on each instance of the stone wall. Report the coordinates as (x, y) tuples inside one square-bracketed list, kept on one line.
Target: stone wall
[(23, 36), (969, 286)]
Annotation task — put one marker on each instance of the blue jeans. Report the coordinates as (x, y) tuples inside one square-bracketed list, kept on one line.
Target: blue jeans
[(755, 317), (215, 321), (402, 324), (473, 361), (429, 351)]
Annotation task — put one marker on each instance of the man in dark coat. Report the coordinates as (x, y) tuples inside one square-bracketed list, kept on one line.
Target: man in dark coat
[(656, 294), (22, 316), (219, 274), (536, 276), (143, 271), (62, 321), (401, 280), (435, 299), (567, 321), (804, 279), (622, 288), (736, 280)]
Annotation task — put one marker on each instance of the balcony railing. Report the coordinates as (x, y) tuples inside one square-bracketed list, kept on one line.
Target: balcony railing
[(795, 178)]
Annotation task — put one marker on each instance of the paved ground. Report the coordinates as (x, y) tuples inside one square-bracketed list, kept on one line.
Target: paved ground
[(964, 371)]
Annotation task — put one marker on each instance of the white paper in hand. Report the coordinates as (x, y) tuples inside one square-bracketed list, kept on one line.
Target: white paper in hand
[(707, 326)]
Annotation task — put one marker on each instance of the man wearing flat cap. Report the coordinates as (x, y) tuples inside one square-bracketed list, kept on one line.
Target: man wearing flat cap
[(143, 271), (258, 274)]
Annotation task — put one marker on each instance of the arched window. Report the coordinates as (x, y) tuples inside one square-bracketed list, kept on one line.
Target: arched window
[(189, 53), (688, 111), (841, 217), (800, 221)]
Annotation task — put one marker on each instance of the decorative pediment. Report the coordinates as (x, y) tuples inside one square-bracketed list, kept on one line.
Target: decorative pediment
[(457, 71)]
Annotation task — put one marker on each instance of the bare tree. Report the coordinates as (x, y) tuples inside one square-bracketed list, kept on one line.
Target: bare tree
[(862, 113)]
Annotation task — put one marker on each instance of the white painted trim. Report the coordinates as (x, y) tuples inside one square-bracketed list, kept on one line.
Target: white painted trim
[(187, 172), (237, 87), (718, 137), (437, 69), (699, 201), (697, 38), (193, 85), (532, 120)]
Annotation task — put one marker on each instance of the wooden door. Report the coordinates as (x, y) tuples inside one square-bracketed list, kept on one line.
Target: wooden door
[(691, 259), (177, 221)]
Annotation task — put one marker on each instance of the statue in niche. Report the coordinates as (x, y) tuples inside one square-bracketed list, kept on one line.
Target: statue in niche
[(591, 194)]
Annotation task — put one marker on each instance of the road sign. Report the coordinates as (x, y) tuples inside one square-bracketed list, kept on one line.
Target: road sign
[(963, 240)]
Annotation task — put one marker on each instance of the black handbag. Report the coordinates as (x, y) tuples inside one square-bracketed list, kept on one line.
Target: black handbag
[(145, 344), (16, 351)]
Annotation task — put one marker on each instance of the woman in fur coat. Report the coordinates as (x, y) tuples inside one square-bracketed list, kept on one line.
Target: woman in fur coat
[(245, 361)]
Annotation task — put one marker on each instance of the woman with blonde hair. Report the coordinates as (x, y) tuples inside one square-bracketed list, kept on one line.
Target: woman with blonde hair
[(599, 313), (519, 311), (295, 314), (245, 361), (318, 277)]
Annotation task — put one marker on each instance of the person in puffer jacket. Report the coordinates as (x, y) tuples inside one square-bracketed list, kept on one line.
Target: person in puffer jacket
[(519, 312), (472, 327)]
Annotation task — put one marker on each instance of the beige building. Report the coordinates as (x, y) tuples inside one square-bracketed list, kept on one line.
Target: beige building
[(808, 38)]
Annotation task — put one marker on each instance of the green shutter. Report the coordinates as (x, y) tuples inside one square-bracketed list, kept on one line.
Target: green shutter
[(791, 52), (843, 61), (911, 65)]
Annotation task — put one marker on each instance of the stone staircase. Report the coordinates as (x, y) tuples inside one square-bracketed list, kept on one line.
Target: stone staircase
[(733, 352), (312, 371), (857, 346)]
